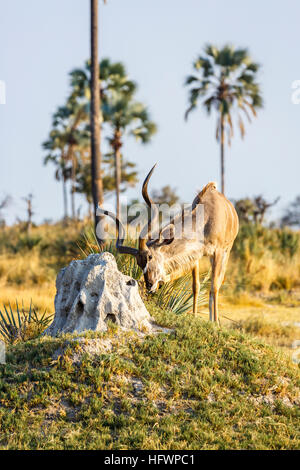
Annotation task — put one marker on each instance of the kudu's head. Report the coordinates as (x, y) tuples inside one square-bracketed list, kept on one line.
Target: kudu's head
[(149, 255)]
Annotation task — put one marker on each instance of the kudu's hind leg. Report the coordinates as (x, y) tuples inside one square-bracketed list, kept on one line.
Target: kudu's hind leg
[(196, 287), (219, 262)]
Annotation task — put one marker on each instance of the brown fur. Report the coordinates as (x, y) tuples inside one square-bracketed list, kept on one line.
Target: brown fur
[(170, 256), (220, 230), (209, 187)]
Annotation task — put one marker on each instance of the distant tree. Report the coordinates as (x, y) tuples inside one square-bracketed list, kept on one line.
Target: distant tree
[(95, 113), (253, 210), (126, 116), (28, 199), (84, 180), (291, 217), (128, 174), (104, 77), (5, 202), (70, 119), (55, 146), (67, 140), (245, 209), (166, 195), (68, 144), (120, 111), (261, 207), (114, 79), (225, 79)]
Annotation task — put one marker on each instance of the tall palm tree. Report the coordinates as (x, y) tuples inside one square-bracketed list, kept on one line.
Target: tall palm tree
[(225, 79), (119, 110), (96, 158), (114, 80), (83, 177), (67, 138), (69, 119), (125, 116), (69, 141), (55, 145)]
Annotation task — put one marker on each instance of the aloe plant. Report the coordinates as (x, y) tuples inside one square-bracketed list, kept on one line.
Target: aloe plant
[(23, 324), (177, 296)]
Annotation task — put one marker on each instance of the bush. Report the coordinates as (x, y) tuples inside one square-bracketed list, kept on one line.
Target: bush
[(22, 325), (265, 258)]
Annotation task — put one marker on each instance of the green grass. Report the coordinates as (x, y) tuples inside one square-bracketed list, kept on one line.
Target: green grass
[(200, 387)]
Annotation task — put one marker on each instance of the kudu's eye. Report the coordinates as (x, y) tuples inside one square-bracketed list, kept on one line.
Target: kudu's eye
[(150, 257)]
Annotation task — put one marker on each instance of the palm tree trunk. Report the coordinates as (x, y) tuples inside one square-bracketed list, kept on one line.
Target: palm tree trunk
[(97, 184), (222, 157), (73, 189), (73, 201), (65, 198), (90, 213), (117, 148), (118, 181)]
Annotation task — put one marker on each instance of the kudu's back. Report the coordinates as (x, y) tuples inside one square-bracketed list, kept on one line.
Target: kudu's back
[(221, 223)]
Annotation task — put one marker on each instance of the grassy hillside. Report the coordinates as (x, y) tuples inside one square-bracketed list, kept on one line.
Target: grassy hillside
[(200, 387), (261, 290)]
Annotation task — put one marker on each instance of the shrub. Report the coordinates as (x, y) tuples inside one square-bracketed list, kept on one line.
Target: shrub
[(22, 325), (177, 296)]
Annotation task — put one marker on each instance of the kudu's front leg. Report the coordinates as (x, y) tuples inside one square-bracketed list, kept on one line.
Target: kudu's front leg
[(196, 287), (218, 263)]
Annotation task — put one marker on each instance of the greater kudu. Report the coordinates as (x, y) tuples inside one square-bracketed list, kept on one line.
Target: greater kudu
[(167, 257)]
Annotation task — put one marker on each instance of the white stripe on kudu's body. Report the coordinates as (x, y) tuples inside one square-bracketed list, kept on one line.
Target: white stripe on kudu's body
[(175, 253)]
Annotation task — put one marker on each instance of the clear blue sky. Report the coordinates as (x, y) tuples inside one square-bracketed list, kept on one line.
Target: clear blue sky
[(41, 41)]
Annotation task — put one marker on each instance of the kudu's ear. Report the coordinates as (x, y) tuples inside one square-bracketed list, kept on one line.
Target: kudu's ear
[(167, 235)]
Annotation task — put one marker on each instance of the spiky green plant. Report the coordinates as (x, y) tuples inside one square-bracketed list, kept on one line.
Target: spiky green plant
[(177, 296), (22, 324), (88, 243)]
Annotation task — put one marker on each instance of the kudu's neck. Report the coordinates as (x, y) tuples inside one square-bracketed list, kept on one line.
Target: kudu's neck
[(180, 257)]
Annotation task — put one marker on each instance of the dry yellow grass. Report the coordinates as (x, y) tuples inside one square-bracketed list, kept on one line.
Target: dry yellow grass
[(42, 296), (242, 299), (25, 269), (277, 325)]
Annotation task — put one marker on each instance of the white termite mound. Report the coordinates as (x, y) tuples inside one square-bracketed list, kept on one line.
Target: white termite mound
[(92, 292)]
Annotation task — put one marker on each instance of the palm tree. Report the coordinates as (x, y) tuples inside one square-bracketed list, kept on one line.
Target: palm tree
[(119, 110), (84, 180), (69, 141), (114, 80), (56, 147), (69, 120), (67, 138), (96, 159), (225, 79), (125, 116)]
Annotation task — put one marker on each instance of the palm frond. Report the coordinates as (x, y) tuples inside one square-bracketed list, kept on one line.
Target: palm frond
[(177, 296), (241, 126), (226, 80)]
